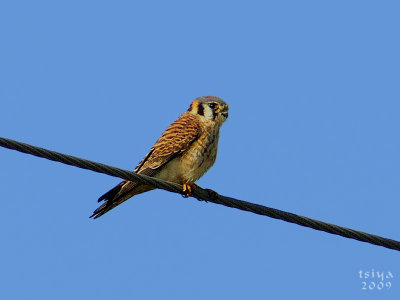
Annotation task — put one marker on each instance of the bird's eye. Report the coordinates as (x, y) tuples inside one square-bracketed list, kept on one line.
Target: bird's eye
[(212, 105)]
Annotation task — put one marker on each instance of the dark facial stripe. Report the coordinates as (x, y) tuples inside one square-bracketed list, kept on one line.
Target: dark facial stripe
[(200, 109), (214, 114)]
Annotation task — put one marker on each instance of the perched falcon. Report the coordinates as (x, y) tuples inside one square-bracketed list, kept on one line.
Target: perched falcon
[(183, 153)]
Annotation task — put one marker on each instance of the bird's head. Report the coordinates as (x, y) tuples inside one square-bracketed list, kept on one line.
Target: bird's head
[(210, 108)]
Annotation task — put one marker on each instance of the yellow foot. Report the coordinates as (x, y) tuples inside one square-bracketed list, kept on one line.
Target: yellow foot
[(188, 188)]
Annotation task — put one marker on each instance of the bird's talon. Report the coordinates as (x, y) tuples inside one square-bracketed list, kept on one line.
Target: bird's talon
[(188, 188)]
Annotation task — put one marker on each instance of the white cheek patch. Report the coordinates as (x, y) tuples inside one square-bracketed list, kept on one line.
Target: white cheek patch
[(208, 113)]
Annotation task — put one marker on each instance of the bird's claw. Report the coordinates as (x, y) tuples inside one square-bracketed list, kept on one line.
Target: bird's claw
[(188, 188)]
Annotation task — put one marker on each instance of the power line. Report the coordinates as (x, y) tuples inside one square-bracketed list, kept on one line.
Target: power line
[(201, 194)]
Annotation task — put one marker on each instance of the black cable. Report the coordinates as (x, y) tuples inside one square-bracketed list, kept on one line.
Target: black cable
[(202, 194)]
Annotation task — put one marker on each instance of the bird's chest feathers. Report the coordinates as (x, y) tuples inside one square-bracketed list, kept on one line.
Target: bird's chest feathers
[(200, 156)]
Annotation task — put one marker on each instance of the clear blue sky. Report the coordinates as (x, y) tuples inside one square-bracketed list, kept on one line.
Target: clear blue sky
[(313, 89)]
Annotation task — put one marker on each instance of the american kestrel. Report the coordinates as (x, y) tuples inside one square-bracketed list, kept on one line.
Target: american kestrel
[(183, 153)]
